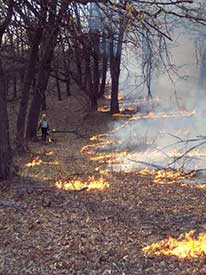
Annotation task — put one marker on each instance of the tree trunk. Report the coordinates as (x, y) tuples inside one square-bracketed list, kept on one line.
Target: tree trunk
[(96, 77), (115, 62), (5, 148), (58, 85), (41, 83), (78, 61), (104, 68), (6, 80), (115, 72), (89, 86), (77, 50), (14, 86), (37, 103), (47, 48), (27, 82), (66, 63), (68, 84), (104, 77)]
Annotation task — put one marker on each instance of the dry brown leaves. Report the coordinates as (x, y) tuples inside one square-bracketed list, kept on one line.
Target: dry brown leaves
[(96, 232)]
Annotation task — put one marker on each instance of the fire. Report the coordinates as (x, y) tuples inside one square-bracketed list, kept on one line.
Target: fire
[(186, 246), (99, 184), (170, 176), (126, 112), (105, 149), (71, 185), (55, 162), (120, 98), (104, 109), (37, 161), (34, 162), (130, 109), (50, 153), (91, 184), (103, 157), (122, 115), (153, 115), (99, 138), (102, 141), (90, 149), (166, 176)]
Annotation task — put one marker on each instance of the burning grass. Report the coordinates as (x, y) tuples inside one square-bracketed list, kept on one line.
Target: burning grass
[(35, 162), (120, 98), (103, 109), (166, 176), (154, 115), (78, 185), (99, 232), (123, 159), (95, 232), (186, 246)]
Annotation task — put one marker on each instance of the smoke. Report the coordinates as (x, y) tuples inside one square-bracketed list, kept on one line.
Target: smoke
[(159, 134), (178, 83)]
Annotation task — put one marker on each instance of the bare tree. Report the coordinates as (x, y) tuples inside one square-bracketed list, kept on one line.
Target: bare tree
[(35, 36), (48, 44)]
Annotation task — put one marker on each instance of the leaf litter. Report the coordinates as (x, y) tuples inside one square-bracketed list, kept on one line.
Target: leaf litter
[(97, 232)]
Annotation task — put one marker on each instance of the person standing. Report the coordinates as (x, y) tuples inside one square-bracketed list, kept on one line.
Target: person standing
[(44, 126)]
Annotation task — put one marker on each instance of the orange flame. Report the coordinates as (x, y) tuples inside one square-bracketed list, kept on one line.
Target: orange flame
[(186, 246), (122, 115), (37, 161), (153, 115), (50, 153), (92, 184), (103, 157), (104, 109), (34, 162), (165, 176), (120, 98)]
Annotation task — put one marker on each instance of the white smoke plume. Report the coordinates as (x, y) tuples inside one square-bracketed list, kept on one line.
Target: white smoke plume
[(156, 132)]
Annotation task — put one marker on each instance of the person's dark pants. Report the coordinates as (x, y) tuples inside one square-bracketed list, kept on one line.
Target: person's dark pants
[(43, 133)]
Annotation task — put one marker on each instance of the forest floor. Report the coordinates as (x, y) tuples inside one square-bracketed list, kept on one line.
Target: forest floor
[(47, 230)]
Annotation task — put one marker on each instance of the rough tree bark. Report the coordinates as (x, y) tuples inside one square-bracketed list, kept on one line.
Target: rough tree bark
[(27, 82), (5, 148), (96, 48), (47, 48), (56, 71), (66, 64), (115, 62), (104, 67), (88, 86), (41, 85)]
